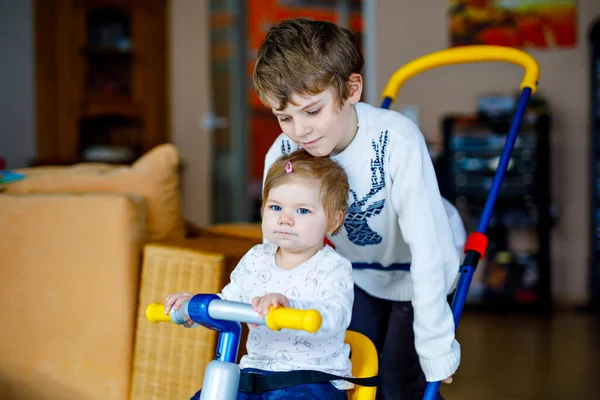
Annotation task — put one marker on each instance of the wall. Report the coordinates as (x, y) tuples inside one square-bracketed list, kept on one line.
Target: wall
[(190, 93), (407, 29), (17, 122)]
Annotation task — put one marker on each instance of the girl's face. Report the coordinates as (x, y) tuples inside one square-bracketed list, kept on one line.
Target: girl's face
[(294, 218)]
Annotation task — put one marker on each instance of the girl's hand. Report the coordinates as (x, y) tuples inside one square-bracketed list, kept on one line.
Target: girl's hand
[(262, 304), (175, 300)]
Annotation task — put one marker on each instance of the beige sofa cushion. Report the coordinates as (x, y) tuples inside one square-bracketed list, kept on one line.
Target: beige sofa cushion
[(70, 274), (155, 177)]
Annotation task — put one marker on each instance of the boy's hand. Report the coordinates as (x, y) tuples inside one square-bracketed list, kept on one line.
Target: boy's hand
[(262, 304), (175, 300), (448, 380)]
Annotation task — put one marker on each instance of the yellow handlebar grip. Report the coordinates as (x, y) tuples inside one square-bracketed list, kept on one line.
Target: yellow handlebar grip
[(305, 320), (463, 55), (155, 312)]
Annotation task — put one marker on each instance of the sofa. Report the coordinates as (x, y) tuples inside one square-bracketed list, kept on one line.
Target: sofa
[(81, 252)]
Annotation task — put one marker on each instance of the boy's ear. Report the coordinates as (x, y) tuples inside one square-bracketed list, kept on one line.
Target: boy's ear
[(355, 88)]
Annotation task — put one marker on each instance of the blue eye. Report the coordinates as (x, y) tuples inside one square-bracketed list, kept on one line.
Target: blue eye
[(275, 208), (314, 112), (303, 211)]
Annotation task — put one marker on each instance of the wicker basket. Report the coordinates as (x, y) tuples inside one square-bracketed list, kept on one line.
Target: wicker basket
[(169, 361)]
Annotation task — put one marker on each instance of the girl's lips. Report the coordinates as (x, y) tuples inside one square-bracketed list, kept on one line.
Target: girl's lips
[(285, 233)]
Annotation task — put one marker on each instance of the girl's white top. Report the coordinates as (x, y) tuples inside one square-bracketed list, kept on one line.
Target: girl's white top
[(324, 283)]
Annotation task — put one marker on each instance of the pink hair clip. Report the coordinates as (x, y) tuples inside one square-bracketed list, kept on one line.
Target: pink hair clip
[(288, 167)]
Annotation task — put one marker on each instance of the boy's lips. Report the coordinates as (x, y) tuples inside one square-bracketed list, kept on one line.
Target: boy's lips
[(312, 142)]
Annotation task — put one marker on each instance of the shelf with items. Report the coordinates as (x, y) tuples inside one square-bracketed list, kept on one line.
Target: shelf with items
[(108, 51), (106, 76), (98, 105), (111, 138), (514, 276), (111, 72), (109, 124), (109, 27)]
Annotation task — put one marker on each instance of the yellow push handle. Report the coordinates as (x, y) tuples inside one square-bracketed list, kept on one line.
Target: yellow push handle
[(463, 55), (291, 318), (155, 312)]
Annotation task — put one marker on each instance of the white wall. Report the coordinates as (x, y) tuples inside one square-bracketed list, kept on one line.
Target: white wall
[(190, 99), (17, 75), (408, 29)]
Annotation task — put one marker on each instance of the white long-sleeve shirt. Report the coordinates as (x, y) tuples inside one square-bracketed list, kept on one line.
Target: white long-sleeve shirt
[(396, 215), (324, 282)]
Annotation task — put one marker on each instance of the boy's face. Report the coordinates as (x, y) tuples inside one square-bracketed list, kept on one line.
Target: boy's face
[(293, 216), (317, 123)]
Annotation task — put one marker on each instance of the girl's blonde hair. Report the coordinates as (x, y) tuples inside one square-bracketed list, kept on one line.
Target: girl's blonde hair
[(334, 186)]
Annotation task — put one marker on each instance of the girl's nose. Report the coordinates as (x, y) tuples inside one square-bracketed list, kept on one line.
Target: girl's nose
[(285, 219)]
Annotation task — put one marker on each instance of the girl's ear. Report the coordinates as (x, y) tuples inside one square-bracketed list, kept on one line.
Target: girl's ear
[(335, 222), (355, 88)]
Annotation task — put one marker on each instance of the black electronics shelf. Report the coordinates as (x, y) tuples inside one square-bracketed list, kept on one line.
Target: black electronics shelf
[(514, 278)]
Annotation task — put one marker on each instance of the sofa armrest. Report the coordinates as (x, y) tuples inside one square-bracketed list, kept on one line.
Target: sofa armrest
[(70, 272)]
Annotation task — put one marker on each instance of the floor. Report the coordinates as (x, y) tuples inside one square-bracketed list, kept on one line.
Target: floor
[(518, 357)]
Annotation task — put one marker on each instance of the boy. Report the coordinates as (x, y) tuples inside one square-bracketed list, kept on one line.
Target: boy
[(308, 73)]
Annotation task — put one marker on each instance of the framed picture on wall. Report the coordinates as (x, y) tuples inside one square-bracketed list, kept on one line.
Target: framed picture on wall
[(540, 24)]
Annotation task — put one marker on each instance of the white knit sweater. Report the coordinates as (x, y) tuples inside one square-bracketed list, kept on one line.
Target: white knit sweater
[(397, 215)]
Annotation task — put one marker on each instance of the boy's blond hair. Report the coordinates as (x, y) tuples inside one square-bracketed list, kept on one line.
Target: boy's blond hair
[(334, 186), (305, 57)]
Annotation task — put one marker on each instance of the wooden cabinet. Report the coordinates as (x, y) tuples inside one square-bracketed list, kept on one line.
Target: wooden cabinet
[(100, 78)]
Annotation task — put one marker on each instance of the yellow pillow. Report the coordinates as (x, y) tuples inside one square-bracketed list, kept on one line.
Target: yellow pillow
[(85, 167), (155, 177)]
